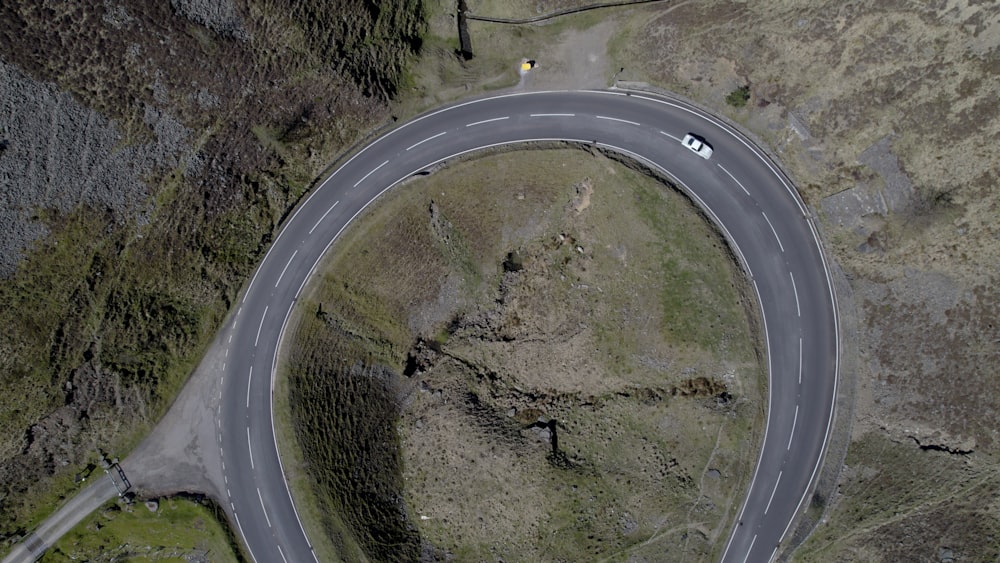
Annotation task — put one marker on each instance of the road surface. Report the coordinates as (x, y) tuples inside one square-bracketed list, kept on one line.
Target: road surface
[(757, 208), (86, 501)]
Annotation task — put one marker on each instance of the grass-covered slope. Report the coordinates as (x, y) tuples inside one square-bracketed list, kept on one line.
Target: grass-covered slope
[(531, 356), (148, 151)]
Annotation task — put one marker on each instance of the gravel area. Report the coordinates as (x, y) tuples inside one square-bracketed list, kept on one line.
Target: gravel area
[(57, 155), (219, 16), (893, 194)]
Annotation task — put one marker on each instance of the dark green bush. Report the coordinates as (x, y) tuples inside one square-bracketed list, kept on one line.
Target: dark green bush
[(739, 97)]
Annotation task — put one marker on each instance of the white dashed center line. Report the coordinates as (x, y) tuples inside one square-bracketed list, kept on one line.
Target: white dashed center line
[(778, 480), (616, 119), (781, 246), (323, 217), (249, 379), (415, 145), (250, 449), (796, 292), (255, 340), (753, 541), (733, 177), (800, 360), (669, 135), (282, 274), (486, 121), (262, 509), (792, 435), (370, 173)]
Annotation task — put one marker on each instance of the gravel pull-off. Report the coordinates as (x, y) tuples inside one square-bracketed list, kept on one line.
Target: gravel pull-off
[(56, 154)]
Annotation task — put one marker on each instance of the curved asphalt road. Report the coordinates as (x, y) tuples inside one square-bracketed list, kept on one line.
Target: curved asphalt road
[(755, 205)]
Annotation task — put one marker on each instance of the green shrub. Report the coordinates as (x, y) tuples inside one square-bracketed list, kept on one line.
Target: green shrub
[(739, 97)]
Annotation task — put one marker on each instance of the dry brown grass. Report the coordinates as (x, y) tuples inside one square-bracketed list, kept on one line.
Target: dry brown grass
[(590, 336), (828, 82)]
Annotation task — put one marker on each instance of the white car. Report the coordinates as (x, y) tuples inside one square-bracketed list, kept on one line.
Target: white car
[(697, 145)]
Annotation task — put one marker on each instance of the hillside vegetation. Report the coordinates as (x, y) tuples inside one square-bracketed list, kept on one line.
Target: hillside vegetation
[(886, 115), (147, 152), (537, 355), (149, 149)]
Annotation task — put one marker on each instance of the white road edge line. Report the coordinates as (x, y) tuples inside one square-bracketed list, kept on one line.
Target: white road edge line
[(826, 271), (729, 238), (241, 531), (753, 541), (431, 138), (776, 482), (745, 264), (618, 120), (250, 447), (730, 175), (324, 216), (486, 121), (773, 553), (274, 369), (732, 132), (255, 340), (370, 173), (263, 508), (796, 292), (767, 423), (282, 274), (552, 114), (836, 369), (792, 435), (415, 122), (781, 246)]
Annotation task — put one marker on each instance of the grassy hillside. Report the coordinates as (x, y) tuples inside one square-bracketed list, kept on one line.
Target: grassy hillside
[(506, 342), (189, 128), (211, 120), (181, 528), (886, 115)]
